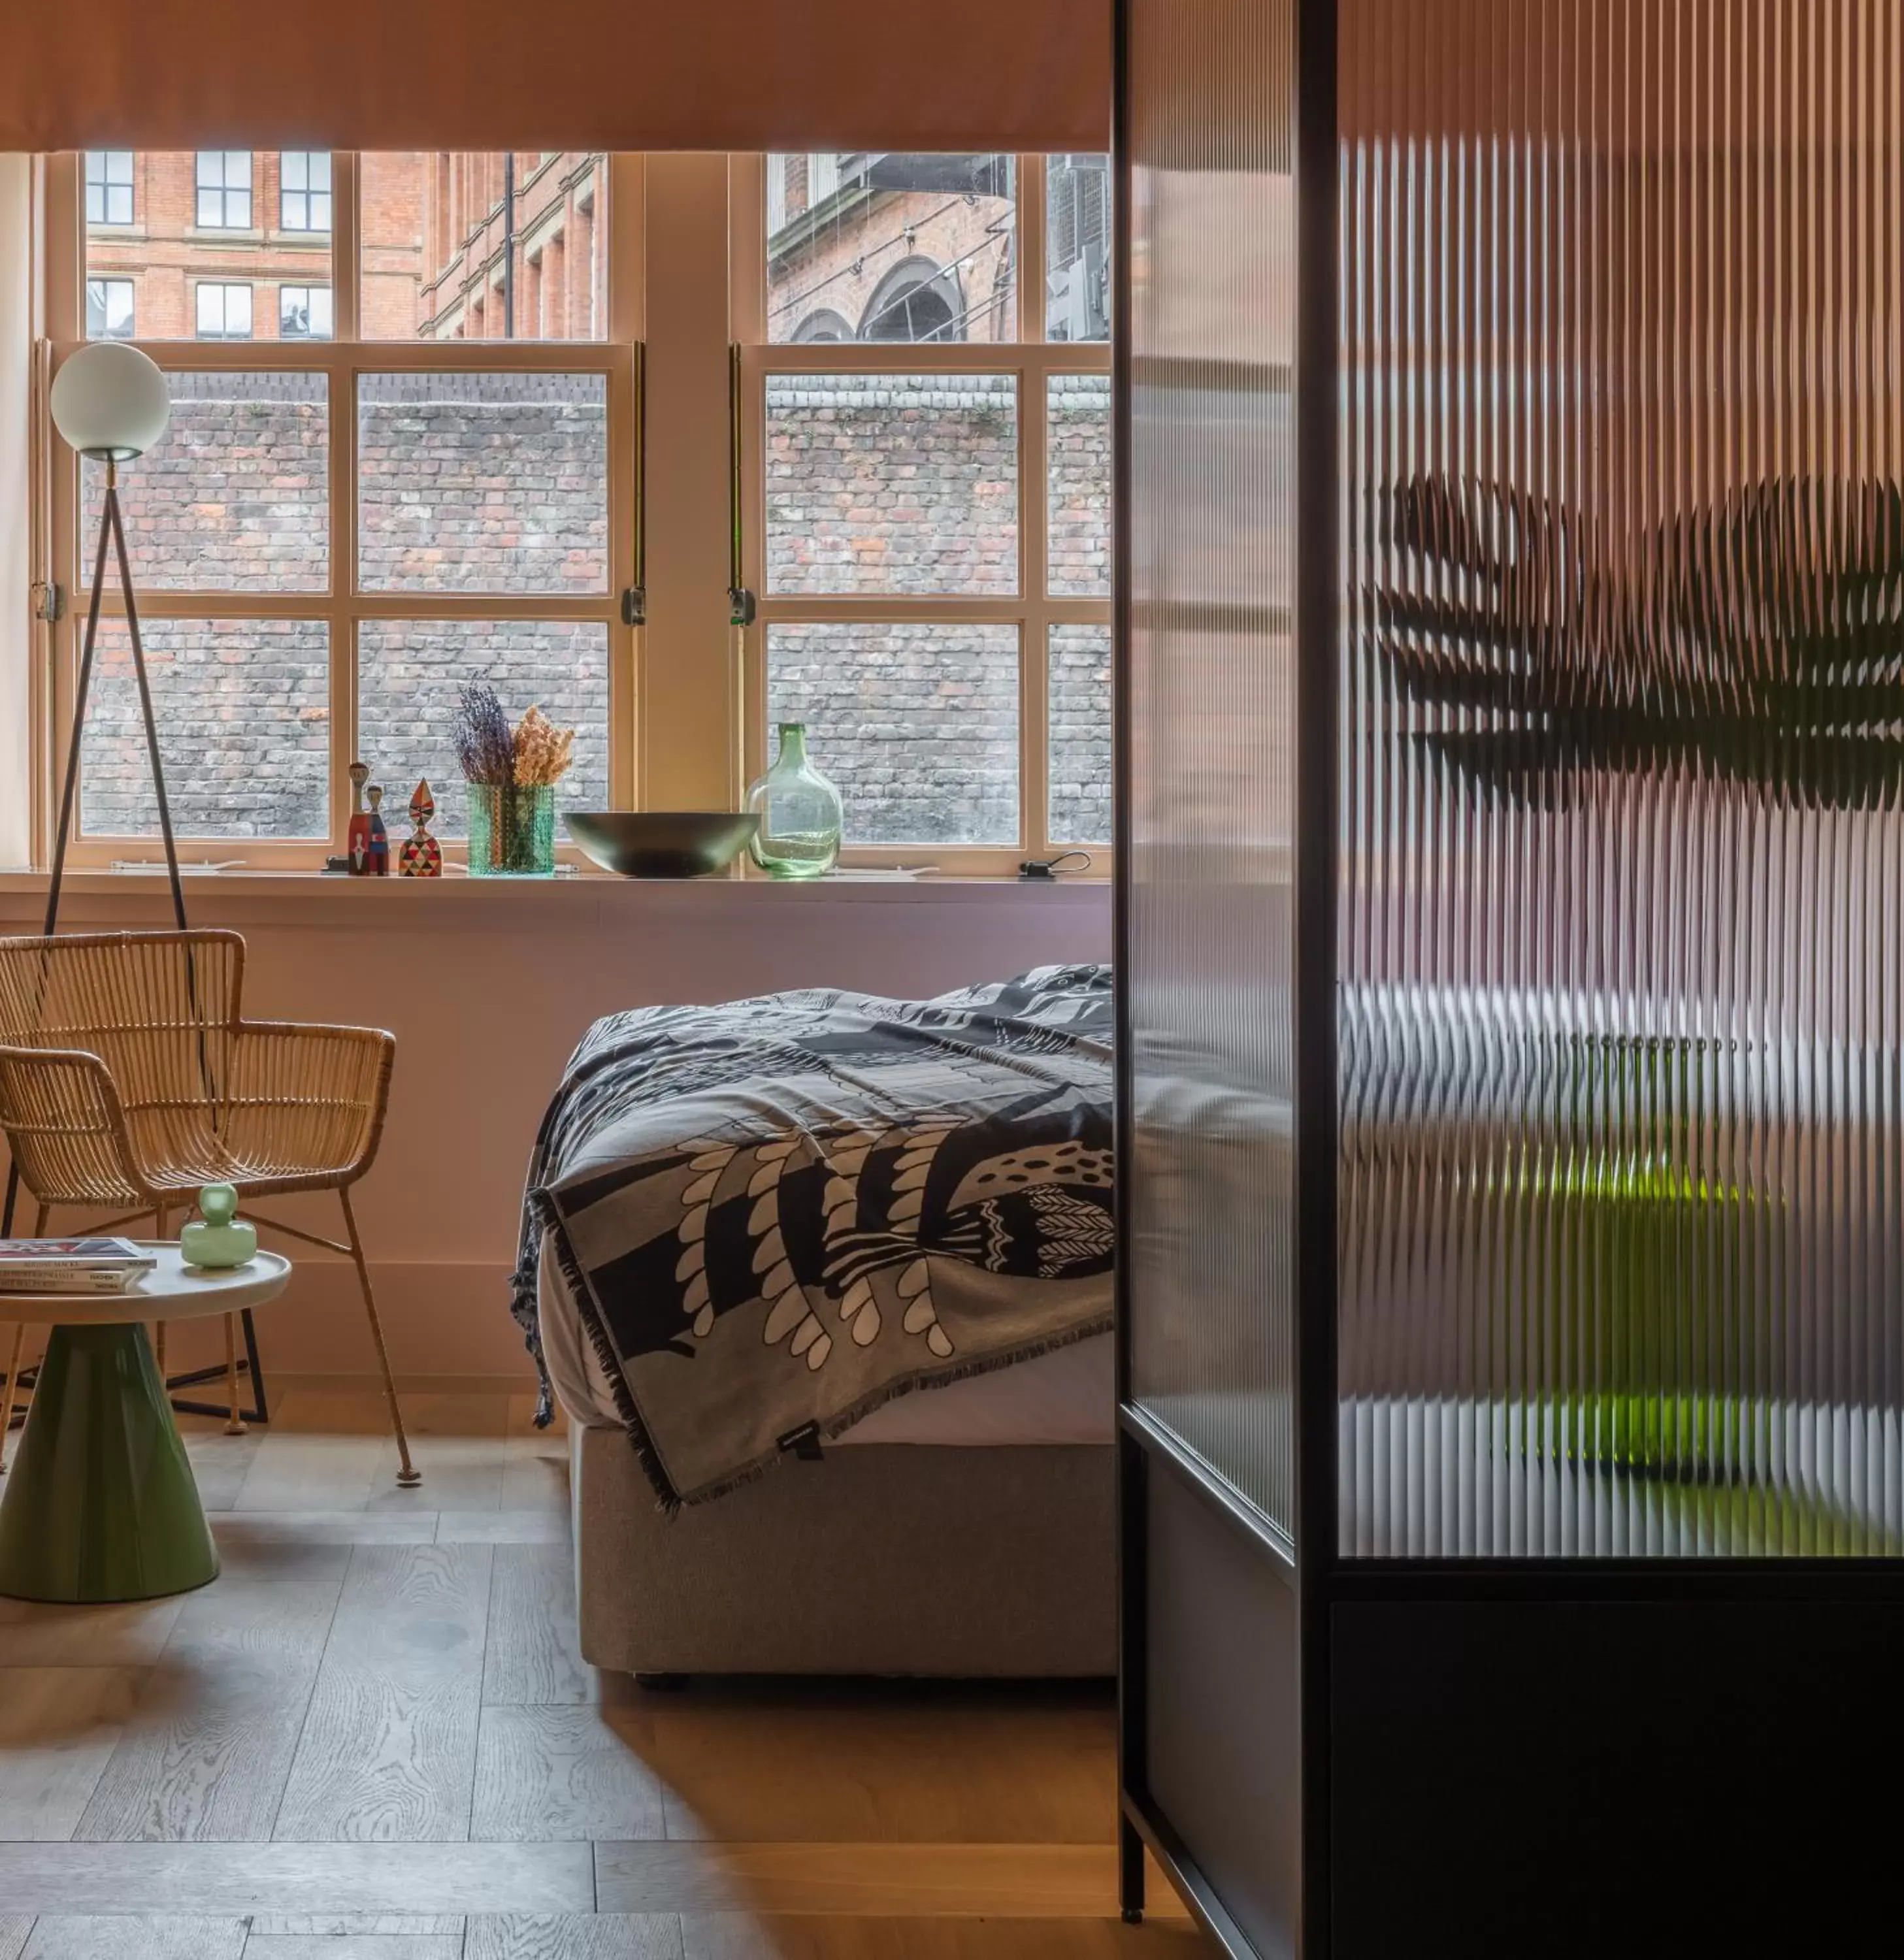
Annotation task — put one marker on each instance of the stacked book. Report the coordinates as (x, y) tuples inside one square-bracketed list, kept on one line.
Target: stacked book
[(72, 1265)]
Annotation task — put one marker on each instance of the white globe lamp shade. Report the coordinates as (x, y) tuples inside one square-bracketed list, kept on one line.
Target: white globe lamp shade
[(110, 402)]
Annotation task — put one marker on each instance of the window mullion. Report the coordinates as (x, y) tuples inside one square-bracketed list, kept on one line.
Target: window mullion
[(1033, 504), (346, 231), (341, 611)]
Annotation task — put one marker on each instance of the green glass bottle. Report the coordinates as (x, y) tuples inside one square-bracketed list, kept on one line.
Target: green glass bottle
[(799, 811)]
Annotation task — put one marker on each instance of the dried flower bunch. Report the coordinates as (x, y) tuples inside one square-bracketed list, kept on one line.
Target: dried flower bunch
[(488, 750), (544, 752)]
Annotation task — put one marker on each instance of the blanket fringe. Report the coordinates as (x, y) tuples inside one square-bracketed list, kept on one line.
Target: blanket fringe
[(583, 1296)]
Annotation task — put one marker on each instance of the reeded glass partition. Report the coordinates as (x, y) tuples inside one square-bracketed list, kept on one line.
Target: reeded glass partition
[(1622, 881), (1208, 771)]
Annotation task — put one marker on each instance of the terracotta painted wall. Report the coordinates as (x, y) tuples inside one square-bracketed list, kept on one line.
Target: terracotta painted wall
[(487, 994)]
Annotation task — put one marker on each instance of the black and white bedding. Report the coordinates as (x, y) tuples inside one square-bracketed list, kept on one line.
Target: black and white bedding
[(776, 1216)]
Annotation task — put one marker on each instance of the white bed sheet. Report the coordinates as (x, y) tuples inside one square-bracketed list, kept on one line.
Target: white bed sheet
[(1066, 1396)]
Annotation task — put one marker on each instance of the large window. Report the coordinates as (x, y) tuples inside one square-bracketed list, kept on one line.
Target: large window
[(405, 453), (930, 497), (224, 200), (297, 617)]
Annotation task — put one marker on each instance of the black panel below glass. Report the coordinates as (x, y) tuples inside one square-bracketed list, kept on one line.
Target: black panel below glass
[(1708, 1779), (1220, 1688)]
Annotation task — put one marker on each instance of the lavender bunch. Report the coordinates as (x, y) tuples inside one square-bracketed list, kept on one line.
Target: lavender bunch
[(484, 743)]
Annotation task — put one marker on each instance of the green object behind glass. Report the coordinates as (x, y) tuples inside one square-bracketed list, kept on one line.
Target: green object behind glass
[(216, 1238)]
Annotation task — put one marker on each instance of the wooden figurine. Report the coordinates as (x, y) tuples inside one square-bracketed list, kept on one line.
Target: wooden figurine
[(379, 838), (421, 856), (357, 840)]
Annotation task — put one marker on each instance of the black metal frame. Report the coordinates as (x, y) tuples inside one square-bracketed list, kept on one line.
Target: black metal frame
[(112, 530), (1143, 1446), (1861, 1600)]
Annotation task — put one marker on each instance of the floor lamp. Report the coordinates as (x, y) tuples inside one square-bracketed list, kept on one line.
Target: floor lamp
[(110, 404)]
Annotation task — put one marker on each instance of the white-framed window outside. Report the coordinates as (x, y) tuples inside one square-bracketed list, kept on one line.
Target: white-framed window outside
[(223, 309), (109, 187), (111, 310), (305, 313), (224, 190), (303, 190)]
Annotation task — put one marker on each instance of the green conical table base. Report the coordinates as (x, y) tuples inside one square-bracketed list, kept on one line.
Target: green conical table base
[(100, 1503)]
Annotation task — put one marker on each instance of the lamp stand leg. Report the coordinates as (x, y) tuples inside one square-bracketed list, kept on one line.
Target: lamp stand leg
[(111, 530), (144, 697)]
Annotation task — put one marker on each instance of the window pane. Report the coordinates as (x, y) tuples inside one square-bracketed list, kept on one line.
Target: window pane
[(232, 498), (303, 190), (875, 245), (108, 187), (1077, 465), (303, 313), (482, 483), (224, 180), (109, 314), (182, 196), (1078, 240), (1080, 674), (892, 483), (410, 671), (244, 711), (224, 312), (918, 725), (437, 229)]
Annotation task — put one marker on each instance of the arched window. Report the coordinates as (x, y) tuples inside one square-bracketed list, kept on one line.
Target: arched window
[(823, 324), (915, 302)]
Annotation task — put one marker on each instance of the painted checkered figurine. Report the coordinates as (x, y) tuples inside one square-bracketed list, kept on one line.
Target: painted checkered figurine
[(421, 855)]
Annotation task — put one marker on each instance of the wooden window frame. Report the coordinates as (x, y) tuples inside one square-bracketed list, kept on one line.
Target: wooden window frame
[(343, 608), (1033, 362), (687, 706)]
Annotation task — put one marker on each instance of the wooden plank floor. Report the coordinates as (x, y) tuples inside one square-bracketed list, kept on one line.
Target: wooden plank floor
[(373, 1737)]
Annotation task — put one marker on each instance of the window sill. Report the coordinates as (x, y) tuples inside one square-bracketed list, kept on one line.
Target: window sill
[(111, 900)]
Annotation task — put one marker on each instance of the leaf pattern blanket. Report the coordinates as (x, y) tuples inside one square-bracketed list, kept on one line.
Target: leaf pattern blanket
[(775, 1215)]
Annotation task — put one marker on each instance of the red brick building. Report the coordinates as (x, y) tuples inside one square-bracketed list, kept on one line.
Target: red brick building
[(236, 245), (514, 244)]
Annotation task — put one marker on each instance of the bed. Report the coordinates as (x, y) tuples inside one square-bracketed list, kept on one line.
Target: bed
[(823, 1283)]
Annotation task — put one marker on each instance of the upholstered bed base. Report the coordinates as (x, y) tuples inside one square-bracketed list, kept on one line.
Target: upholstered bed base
[(896, 1560)]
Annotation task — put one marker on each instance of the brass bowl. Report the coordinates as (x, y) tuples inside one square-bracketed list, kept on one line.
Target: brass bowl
[(661, 844)]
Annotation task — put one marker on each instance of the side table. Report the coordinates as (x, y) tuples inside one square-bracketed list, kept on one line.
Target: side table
[(100, 1503)]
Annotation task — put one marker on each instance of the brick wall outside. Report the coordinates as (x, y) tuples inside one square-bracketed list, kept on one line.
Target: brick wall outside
[(483, 482), (892, 483), (1080, 701), (917, 725), (243, 710)]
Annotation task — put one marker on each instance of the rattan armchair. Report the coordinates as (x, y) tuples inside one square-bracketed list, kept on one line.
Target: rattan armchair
[(128, 1080)]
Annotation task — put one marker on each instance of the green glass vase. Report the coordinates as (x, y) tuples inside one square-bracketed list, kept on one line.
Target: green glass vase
[(800, 813), (512, 830)]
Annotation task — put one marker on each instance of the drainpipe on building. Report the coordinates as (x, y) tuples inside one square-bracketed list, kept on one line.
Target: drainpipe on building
[(508, 244)]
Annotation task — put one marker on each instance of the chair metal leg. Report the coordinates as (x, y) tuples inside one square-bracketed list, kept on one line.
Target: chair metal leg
[(234, 1423), (13, 1378), (407, 1472)]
